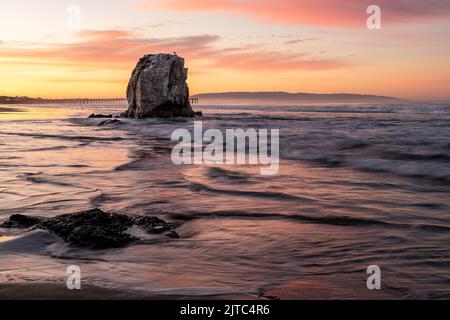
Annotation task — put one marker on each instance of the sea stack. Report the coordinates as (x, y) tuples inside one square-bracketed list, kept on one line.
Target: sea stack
[(158, 88)]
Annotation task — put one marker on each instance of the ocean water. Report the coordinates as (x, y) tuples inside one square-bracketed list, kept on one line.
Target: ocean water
[(358, 185)]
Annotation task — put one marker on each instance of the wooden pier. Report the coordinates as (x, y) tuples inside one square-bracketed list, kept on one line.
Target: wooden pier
[(80, 101), (87, 101)]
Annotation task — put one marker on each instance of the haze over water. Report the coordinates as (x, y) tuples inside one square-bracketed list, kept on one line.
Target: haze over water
[(358, 185)]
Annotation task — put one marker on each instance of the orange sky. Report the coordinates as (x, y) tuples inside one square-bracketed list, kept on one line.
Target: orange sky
[(229, 45)]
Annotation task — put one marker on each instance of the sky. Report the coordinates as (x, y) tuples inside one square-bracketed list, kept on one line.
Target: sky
[(229, 45)]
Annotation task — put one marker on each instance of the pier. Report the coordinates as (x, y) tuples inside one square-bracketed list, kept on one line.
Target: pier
[(88, 101), (80, 101), (76, 101)]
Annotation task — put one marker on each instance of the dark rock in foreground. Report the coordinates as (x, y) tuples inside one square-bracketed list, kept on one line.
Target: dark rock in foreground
[(158, 88), (21, 222), (94, 228)]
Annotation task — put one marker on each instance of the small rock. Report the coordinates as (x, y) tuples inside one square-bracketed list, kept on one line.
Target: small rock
[(109, 122), (21, 222), (93, 228), (99, 237), (98, 116), (153, 225), (173, 235)]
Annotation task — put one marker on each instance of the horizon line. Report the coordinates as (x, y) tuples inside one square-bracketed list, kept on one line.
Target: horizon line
[(237, 92)]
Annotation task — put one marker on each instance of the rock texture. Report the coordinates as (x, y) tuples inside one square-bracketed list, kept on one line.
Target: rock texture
[(94, 228), (19, 221), (158, 88)]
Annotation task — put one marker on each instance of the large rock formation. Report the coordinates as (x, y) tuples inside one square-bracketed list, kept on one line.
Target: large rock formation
[(158, 88)]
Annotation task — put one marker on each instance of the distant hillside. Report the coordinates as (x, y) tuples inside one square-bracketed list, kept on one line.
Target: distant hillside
[(294, 97)]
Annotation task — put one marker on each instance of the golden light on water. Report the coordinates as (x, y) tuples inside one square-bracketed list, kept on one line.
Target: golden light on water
[(29, 113), (6, 238)]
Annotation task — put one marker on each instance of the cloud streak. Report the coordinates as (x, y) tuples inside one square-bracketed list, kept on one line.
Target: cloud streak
[(330, 13), (115, 49)]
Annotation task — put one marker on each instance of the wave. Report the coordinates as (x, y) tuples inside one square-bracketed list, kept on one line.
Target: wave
[(62, 137), (344, 221), (49, 149), (442, 157), (332, 220), (40, 178), (257, 194), (427, 171), (433, 167), (132, 165), (233, 176), (33, 242), (352, 145)]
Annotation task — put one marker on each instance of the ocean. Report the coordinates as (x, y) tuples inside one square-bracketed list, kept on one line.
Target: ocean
[(358, 185)]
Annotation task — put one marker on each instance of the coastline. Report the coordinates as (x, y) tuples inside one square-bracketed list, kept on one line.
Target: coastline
[(303, 289), (54, 291)]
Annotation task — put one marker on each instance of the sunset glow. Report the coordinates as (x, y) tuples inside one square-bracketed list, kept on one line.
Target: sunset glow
[(229, 45)]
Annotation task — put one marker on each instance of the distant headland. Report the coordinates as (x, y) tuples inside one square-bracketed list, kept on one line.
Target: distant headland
[(294, 97), (225, 96)]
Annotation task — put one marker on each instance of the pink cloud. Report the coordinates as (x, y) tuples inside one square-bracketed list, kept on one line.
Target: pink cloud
[(115, 49), (300, 40), (105, 47), (333, 13), (274, 61)]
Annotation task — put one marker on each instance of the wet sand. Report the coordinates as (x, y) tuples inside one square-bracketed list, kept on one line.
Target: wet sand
[(306, 289), (52, 291)]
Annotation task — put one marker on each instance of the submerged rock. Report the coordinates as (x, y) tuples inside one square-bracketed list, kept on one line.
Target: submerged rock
[(158, 88), (173, 235), (109, 122), (152, 224), (93, 228)]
